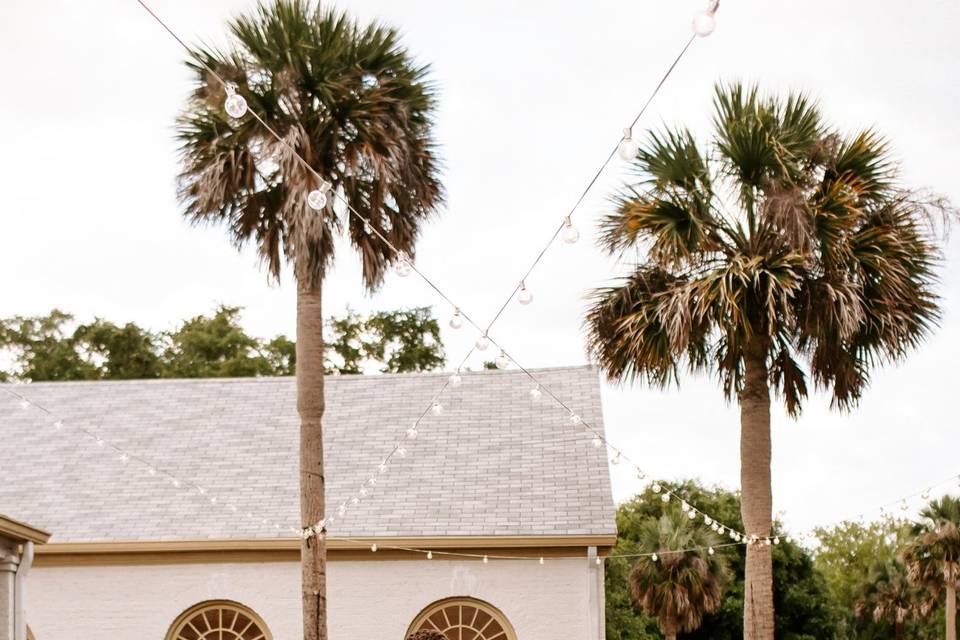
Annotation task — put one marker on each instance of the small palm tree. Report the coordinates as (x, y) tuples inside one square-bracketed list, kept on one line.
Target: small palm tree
[(354, 105), (782, 242), (933, 557), (684, 580), (889, 596)]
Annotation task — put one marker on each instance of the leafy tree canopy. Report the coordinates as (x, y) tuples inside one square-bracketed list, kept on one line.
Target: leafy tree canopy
[(802, 602), (55, 347)]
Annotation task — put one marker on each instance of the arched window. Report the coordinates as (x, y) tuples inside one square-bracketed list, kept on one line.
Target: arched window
[(464, 619), (219, 620)]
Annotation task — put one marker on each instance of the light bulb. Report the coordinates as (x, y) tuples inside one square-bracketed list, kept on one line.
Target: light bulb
[(904, 506), (570, 233), (704, 23), (575, 420), (486, 560), (24, 404), (524, 296), (627, 149), (665, 497), (235, 105), (374, 547), (684, 506), (403, 266), (925, 495), (100, 442), (412, 433), (535, 393), (383, 467), (776, 541), (482, 343), (152, 471), (456, 321), (341, 510), (597, 442), (502, 361), (541, 560), (58, 425), (707, 519), (363, 492), (355, 500), (176, 483), (429, 555), (372, 481), (124, 458), (711, 551), (456, 380), (316, 199), (616, 460), (401, 452), (656, 487), (213, 500), (436, 409), (691, 515), (653, 557), (598, 561)]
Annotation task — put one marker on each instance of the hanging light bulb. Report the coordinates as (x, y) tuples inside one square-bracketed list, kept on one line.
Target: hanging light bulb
[(412, 433), (541, 559), (655, 487), (234, 105), (436, 409), (665, 497), (524, 296), (355, 500), (535, 393), (456, 321), (925, 495), (374, 547), (342, 509), (570, 234), (372, 481), (363, 492), (455, 380), (316, 200), (124, 458), (684, 506), (691, 514), (502, 361), (403, 266), (705, 22), (616, 459), (24, 404), (100, 442), (152, 471), (483, 342), (904, 506), (176, 483), (486, 560), (776, 541), (597, 442), (654, 557), (382, 468), (711, 551), (707, 520), (58, 425), (213, 500), (627, 149), (598, 561), (401, 452), (429, 555)]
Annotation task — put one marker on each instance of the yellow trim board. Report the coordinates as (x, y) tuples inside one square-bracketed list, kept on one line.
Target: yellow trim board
[(333, 544), (22, 532)]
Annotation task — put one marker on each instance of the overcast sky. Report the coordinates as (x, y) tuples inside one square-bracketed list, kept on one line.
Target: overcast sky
[(532, 96)]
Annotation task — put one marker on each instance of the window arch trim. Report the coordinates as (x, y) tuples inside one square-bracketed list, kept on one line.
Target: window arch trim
[(229, 606), (472, 603)]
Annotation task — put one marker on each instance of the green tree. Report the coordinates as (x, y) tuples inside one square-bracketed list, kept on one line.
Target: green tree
[(42, 350), (214, 347), (887, 596), (804, 611), (684, 580), (933, 556), (353, 104), (401, 341), (783, 243), (122, 353)]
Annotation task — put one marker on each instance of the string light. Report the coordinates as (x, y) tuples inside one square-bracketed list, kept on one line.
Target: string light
[(429, 555), (597, 442), (317, 199), (373, 547), (436, 409), (665, 497), (654, 557), (524, 296), (455, 380), (235, 105), (535, 393), (486, 560), (403, 266), (627, 149), (483, 342), (456, 321), (412, 432), (569, 233), (705, 21), (502, 361)]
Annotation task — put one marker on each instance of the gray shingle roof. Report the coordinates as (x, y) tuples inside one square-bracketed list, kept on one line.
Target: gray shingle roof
[(495, 463)]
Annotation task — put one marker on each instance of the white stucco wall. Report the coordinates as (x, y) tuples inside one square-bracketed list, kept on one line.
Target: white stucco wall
[(368, 600)]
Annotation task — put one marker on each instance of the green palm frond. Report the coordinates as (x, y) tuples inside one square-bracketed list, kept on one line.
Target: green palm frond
[(350, 100), (826, 263)]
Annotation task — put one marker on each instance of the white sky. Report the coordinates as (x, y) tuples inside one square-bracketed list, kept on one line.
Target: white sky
[(532, 96)]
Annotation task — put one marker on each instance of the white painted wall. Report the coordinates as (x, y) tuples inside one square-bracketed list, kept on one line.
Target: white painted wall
[(368, 600)]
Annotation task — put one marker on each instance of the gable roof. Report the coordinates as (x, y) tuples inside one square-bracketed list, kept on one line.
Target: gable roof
[(494, 463)]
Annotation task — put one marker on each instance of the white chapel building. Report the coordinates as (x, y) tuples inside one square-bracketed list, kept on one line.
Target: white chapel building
[(171, 504)]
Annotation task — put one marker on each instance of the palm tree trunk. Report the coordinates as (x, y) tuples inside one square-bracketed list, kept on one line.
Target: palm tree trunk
[(310, 405), (951, 606), (756, 501), (898, 629)]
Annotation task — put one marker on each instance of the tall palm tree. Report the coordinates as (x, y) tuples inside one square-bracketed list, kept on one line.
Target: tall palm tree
[(889, 596), (352, 102), (933, 557), (779, 242), (684, 580)]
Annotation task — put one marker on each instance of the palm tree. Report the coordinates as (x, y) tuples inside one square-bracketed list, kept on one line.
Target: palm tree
[(889, 596), (354, 105), (684, 579), (933, 557), (782, 241)]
